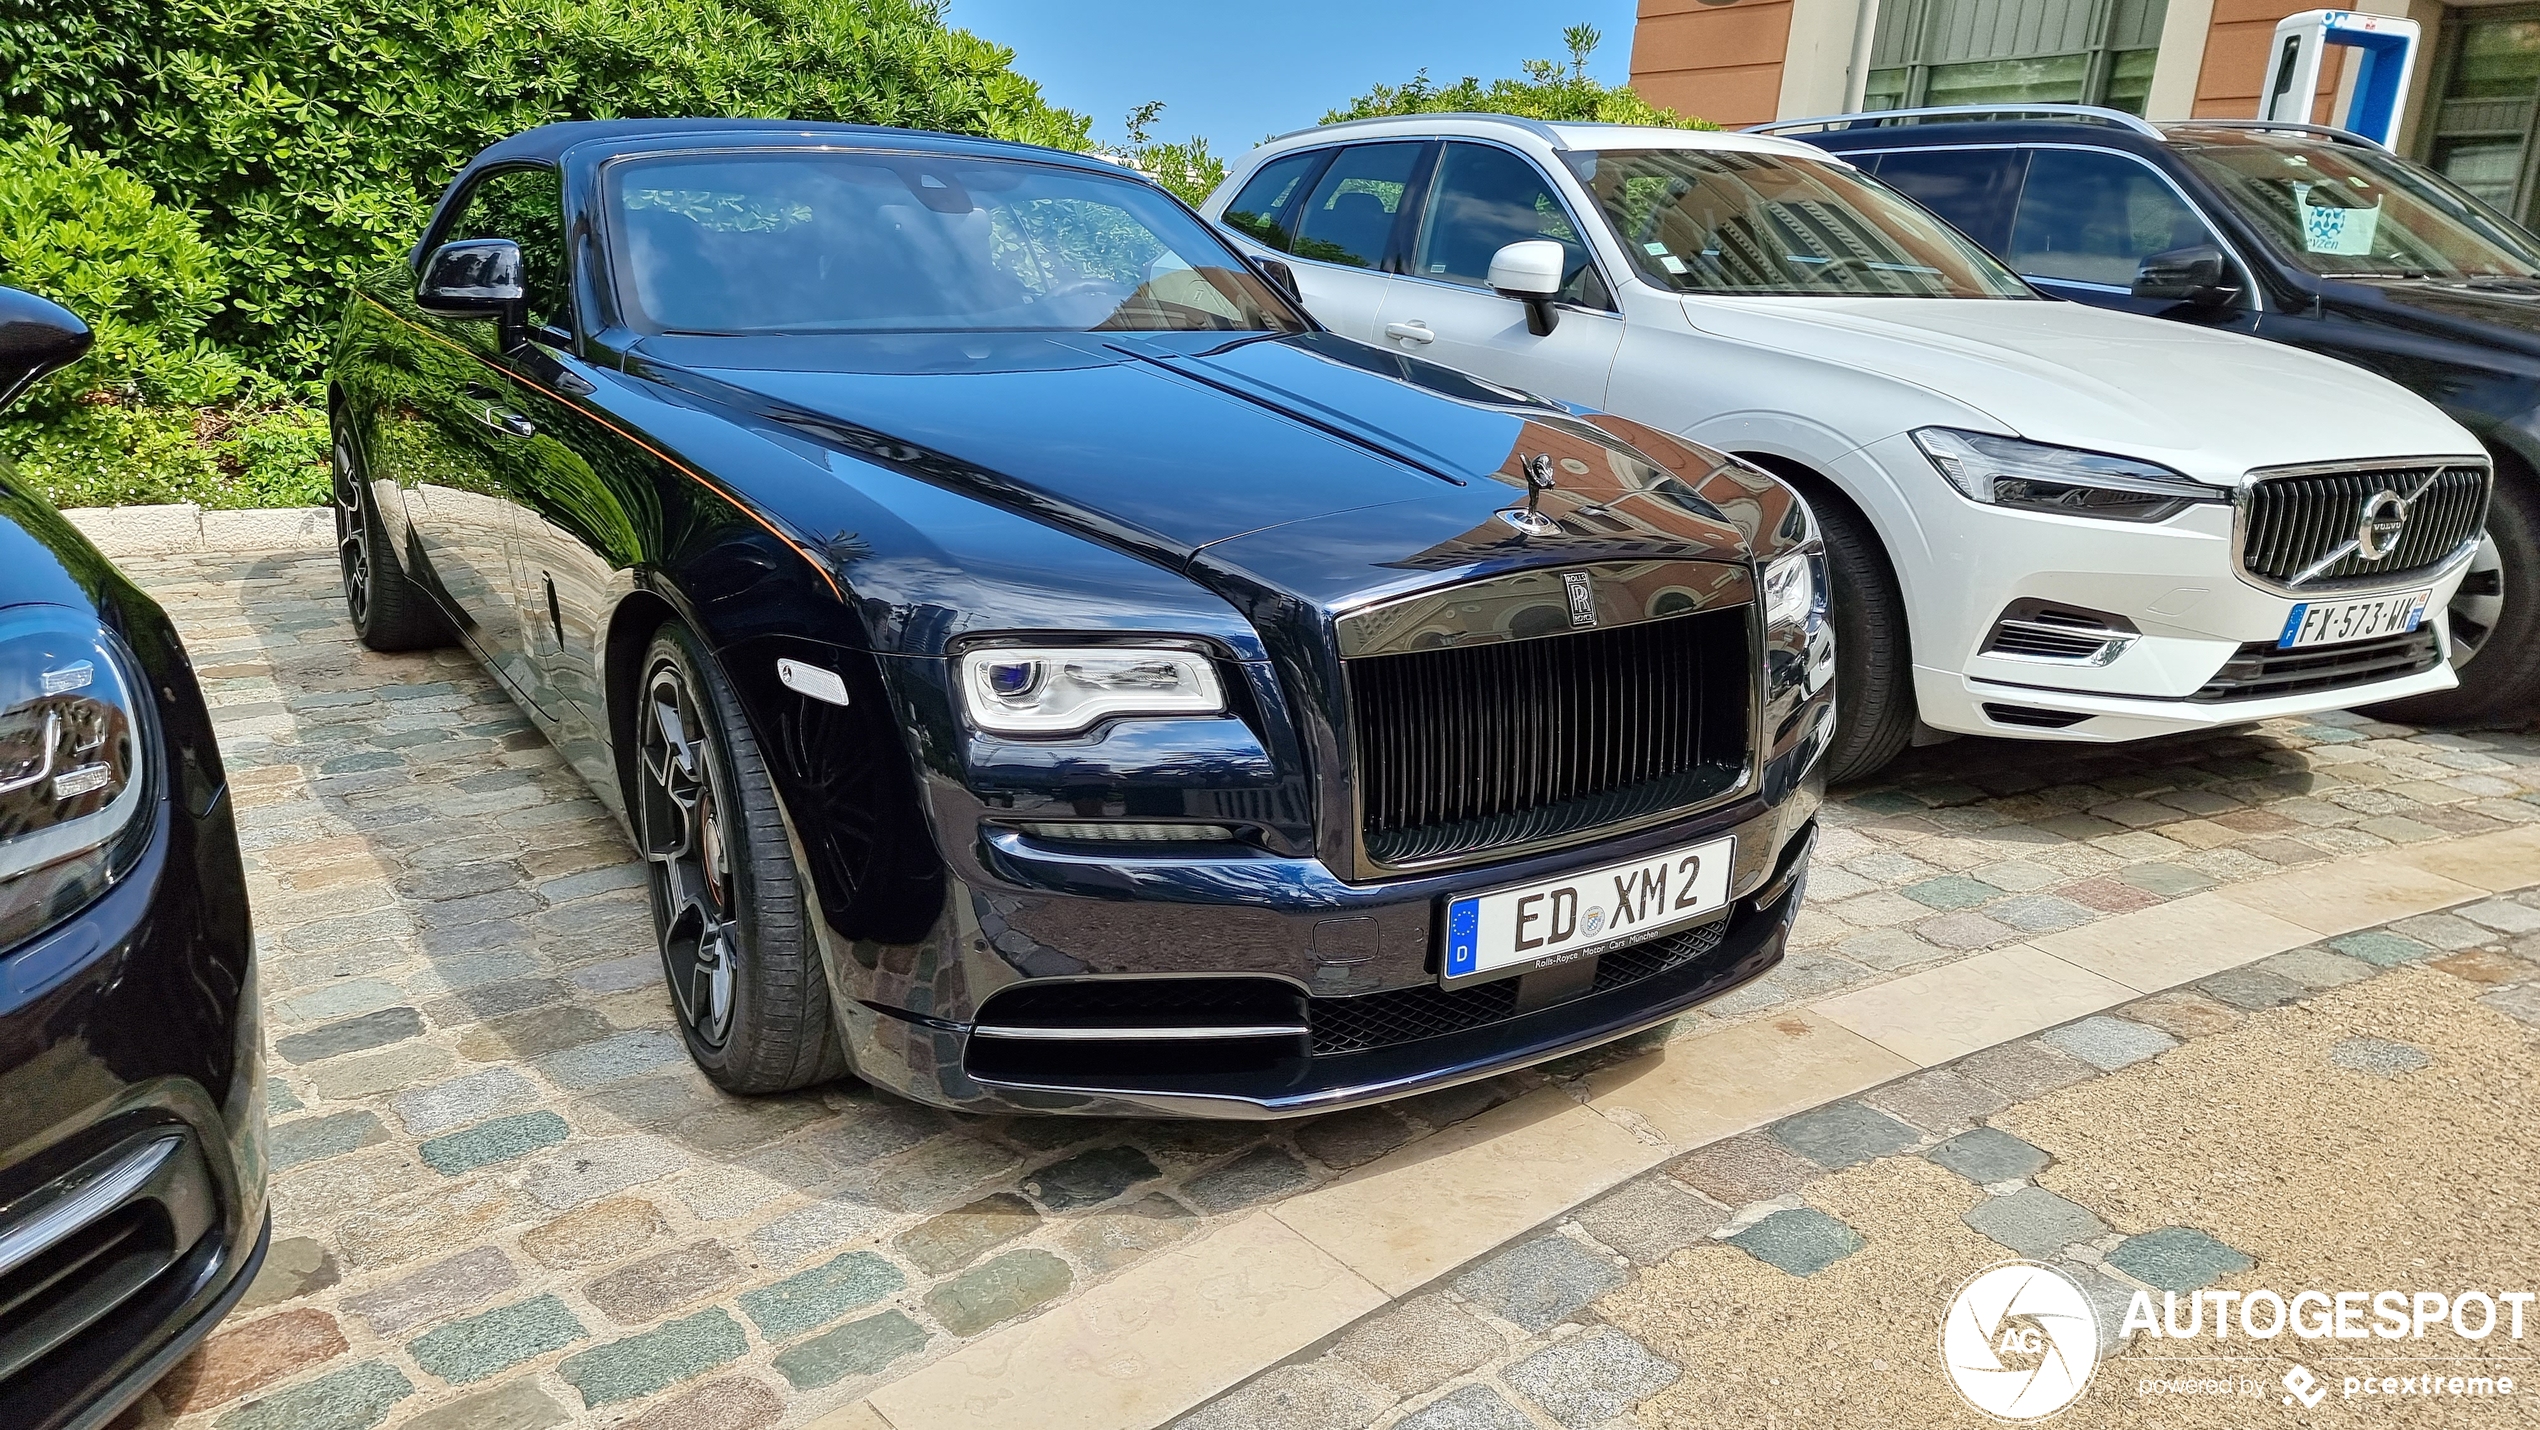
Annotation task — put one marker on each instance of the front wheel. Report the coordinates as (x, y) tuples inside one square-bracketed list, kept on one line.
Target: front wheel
[(1873, 655), (2495, 622), (728, 906)]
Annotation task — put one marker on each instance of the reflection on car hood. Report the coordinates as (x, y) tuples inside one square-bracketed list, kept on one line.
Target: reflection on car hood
[(1167, 443), (2499, 313), (2212, 405)]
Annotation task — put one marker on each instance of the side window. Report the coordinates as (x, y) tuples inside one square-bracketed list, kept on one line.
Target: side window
[(1485, 199), (1972, 188), (527, 207), (2091, 217), (1262, 212), (1349, 217)]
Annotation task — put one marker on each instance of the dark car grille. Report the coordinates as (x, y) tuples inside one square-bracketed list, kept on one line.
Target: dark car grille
[(1406, 1015), (2260, 670), (2296, 522), (1476, 748)]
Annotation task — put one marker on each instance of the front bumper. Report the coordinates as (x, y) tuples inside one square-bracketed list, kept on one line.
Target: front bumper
[(132, 1045), (1965, 565)]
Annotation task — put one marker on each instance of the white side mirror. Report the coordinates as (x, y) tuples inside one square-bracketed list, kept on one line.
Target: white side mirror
[(1531, 272), (1531, 269)]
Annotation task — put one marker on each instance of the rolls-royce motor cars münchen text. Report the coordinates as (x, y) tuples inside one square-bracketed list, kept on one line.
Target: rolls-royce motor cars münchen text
[(1042, 668)]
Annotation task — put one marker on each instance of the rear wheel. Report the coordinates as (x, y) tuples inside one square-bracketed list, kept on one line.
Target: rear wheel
[(728, 907), (389, 611), (2495, 622)]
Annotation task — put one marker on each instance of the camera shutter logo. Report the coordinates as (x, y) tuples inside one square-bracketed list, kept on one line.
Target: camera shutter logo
[(2020, 1341)]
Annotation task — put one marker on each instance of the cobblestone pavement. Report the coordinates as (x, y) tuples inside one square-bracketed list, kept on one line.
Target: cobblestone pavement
[(502, 1197), (2354, 1115)]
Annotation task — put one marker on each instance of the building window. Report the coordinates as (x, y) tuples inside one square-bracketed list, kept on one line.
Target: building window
[(1930, 52), (2488, 75)]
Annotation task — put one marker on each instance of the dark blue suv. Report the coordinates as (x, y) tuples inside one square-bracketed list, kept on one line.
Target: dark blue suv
[(2297, 233)]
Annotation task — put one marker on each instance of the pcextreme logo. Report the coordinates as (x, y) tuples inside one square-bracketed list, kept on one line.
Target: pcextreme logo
[(2019, 1341)]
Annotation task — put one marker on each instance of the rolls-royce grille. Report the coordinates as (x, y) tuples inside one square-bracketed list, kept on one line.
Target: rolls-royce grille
[(2296, 523), (1475, 748), (1406, 1015), (2260, 670)]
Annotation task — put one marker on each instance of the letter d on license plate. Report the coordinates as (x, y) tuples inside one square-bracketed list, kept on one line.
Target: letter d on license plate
[(1512, 931)]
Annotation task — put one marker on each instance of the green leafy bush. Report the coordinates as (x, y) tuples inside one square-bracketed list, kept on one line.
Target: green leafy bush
[(312, 136), (104, 455), (88, 236), (1186, 170), (1549, 91)]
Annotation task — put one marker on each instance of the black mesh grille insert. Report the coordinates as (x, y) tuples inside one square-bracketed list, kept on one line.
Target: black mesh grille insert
[(1483, 747), (2260, 670), (2295, 522), (1406, 1015), (1143, 1002)]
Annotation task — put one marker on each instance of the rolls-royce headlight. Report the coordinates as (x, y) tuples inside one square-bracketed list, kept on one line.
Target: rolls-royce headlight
[(1058, 690), (74, 766), (2033, 476), (1798, 639), (1790, 589)]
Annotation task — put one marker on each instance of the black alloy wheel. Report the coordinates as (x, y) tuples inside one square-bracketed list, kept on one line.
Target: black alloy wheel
[(390, 612), (737, 950)]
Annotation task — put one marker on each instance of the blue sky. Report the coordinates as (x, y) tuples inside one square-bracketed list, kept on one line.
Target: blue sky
[(1237, 72)]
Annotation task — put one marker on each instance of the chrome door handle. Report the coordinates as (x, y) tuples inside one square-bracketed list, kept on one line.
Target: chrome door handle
[(503, 419), (1414, 331)]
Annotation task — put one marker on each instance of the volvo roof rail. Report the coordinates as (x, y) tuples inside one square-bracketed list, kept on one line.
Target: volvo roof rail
[(1874, 117), (2325, 131), (1536, 127)]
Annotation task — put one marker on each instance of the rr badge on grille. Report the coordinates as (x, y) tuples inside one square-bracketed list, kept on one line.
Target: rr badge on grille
[(1582, 595), (2384, 518)]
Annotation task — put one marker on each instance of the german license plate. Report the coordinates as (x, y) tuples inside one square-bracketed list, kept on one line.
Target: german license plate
[(1557, 921), (2337, 622)]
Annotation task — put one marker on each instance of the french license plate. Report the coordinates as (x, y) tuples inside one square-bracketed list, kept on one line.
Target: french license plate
[(1513, 931), (2337, 622)]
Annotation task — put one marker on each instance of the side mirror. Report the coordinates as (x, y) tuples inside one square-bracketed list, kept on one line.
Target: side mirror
[(1531, 273), (477, 278), (2187, 275), (36, 337), (1280, 276)]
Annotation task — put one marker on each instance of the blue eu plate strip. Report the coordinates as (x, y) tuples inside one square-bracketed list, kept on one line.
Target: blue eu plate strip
[(2293, 625), (1463, 933)]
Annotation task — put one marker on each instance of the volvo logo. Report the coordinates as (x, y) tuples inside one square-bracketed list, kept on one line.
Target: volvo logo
[(1530, 521), (1582, 594), (2384, 518)]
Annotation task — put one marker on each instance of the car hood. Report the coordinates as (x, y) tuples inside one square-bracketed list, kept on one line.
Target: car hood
[(1168, 445), (2494, 315), (2191, 399)]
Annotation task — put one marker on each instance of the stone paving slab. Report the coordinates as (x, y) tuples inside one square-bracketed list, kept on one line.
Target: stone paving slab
[(481, 1107)]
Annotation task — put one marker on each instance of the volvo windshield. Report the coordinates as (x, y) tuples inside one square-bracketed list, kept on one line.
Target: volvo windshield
[(1730, 222), (2344, 211), (823, 241)]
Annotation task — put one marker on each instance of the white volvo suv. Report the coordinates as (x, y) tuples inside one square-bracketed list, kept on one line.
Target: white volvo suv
[(2048, 521)]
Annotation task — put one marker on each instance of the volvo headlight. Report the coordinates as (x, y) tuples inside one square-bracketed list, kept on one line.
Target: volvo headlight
[(2032, 476), (74, 766), (1055, 690)]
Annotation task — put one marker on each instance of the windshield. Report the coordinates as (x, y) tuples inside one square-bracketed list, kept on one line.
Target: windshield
[(2345, 212), (1719, 221), (801, 241)]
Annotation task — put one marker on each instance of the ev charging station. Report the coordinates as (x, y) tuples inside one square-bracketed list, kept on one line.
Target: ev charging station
[(2388, 46)]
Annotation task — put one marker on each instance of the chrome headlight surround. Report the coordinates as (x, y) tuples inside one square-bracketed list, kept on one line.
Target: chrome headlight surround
[(1049, 690), (78, 766), (2063, 481)]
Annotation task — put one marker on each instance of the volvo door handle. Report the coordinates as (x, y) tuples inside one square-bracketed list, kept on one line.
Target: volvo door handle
[(1414, 331)]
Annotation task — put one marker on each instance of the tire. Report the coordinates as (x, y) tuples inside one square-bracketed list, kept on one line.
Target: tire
[(728, 908), (2495, 622), (390, 612), (1873, 656)]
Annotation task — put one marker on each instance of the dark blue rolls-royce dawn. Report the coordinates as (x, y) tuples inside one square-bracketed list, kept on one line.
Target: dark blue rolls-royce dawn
[(132, 1107), (1041, 668)]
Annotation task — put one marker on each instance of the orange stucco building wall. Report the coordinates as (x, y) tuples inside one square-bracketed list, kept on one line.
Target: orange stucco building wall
[(1721, 62)]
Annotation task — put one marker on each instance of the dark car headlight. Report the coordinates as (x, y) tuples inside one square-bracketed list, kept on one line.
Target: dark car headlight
[(74, 766), (1060, 690), (2067, 481)]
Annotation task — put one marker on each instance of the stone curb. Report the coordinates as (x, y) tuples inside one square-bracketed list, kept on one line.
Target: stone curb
[(1365, 1231), (182, 527)]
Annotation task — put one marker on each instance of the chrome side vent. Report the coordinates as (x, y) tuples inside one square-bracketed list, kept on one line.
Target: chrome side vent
[(2031, 629)]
